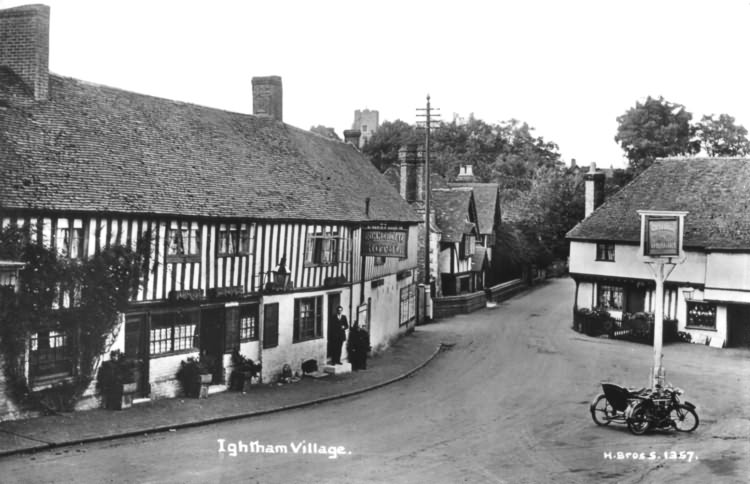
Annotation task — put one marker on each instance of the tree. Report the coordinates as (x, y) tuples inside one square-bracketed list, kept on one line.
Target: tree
[(654, 129), (722, 137), (551, 206), (382, 148)]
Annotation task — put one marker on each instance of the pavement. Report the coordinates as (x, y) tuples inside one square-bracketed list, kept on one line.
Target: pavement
[(404, 357)]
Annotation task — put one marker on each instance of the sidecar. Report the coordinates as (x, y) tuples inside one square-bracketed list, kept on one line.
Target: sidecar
[(610, 406)]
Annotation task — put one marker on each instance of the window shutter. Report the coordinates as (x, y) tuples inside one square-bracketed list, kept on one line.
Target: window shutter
[(232, 329), (270, 325), (319, 316), (295, 336)]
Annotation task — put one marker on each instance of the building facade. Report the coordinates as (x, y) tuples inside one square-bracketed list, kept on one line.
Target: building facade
[(253, 228), (708, 294)]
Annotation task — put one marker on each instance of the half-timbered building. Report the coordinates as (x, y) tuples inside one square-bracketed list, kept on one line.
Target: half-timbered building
[(253, 227)]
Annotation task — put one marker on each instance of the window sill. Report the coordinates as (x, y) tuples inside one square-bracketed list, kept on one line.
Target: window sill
[(314, 338), (605, 260), (702, 328), (174, 353), (176, 259)]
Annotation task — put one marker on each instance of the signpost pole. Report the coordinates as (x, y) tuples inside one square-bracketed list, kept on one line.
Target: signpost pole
[(658, 370), (661, 244)]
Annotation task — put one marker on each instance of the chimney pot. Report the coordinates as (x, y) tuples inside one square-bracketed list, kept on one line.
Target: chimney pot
[(24, 46), (268, 97)]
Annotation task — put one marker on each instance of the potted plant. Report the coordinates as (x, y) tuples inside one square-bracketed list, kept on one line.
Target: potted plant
[(194, 377), (116, 381), (244, 371)]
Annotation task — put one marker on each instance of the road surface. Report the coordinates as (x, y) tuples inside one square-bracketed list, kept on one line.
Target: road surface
[(508, 403)]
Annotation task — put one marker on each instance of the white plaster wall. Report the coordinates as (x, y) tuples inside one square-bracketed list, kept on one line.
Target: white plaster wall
[(628, 263), (728, 271), (163, 374), (288, 352)]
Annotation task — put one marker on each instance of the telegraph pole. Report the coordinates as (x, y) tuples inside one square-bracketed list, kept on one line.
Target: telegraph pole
[(428, 114)]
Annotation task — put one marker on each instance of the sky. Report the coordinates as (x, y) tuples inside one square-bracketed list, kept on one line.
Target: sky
[(567, 68)]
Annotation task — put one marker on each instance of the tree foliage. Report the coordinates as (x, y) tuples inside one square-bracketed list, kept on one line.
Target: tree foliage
[(654, 129), (722, 137), (98, 289), (382, 147)]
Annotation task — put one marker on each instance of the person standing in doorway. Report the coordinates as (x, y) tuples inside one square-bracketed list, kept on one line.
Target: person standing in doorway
[(337, 326)]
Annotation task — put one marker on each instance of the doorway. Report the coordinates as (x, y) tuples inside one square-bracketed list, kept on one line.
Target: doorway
[(212, 342), (738, 325), (334, 301), (136, 348)]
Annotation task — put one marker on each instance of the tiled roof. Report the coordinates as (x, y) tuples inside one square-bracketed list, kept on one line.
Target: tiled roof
[(479, 261), (452, 208), (714, 191), (485, 198), (96, 148)]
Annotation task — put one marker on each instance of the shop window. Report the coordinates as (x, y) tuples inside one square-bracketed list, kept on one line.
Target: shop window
[(308, 318), (609, 296), (605, 252), (174, 332), (51, 355), (701, 315)]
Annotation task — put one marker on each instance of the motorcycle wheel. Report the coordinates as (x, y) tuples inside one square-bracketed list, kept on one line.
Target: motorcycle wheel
[(684, 418), (601, 411), (638, 423)]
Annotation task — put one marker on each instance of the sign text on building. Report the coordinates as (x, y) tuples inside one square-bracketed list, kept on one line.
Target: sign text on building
[(662, 236), (385, 243)]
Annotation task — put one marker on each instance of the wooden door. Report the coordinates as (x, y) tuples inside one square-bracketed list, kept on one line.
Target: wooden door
[(136, 348)]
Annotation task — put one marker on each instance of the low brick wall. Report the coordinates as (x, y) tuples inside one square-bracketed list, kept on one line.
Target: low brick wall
[(446, 306), (503, 291)]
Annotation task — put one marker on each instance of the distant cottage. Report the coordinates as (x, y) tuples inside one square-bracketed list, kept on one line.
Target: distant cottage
[(709, 294), (224, 200)]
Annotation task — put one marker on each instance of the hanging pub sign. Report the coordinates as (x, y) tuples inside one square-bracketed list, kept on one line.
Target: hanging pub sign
[(384, 243), (661, 233)]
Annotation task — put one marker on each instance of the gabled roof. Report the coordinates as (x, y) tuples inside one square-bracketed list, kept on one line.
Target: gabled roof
[(452, 213), (714, 191), (479, 260), (485, 198), (95, 148)]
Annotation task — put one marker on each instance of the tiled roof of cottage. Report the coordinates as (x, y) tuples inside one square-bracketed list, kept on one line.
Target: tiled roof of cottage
[(96, 148), (452, 213), (485, 199), (714, 191)]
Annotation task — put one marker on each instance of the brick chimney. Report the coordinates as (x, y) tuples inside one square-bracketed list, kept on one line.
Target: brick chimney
[(411, 160), (352, 136), (267, 97), (594, 188), (24, 46)]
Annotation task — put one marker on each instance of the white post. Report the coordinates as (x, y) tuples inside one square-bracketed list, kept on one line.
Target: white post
[(658, 324)]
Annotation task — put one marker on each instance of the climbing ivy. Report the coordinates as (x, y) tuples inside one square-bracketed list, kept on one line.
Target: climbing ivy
[(98, 289)]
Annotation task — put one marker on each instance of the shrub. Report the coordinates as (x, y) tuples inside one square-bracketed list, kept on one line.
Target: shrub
[(189, 375)]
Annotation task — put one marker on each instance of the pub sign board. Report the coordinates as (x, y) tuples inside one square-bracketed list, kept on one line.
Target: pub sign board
[(661, 234), (384, 243)]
